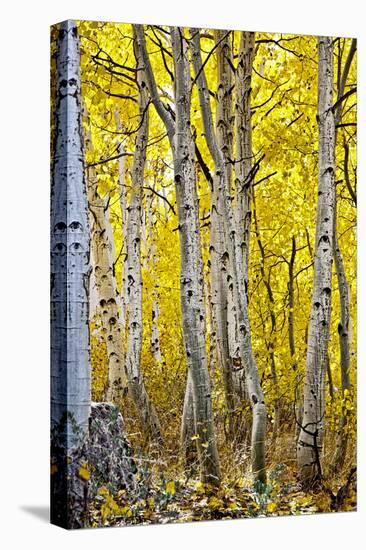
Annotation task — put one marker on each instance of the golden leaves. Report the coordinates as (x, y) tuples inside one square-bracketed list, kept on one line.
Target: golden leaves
[(84, 472)]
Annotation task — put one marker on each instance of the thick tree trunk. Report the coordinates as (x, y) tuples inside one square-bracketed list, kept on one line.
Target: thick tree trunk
[(146, 410), (236, 275), (310, 441), (108, 299), (70, 367)]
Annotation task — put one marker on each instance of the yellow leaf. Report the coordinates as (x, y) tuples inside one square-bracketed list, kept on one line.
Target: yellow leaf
[(170, 488), (84, 472), (214, 503), (271, 507)]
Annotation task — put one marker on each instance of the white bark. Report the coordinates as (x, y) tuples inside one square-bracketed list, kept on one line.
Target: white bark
[(236, 277), (192, 288), (244, 153), (344, 344), (191, 278), (146, 410), (344, 326), (312, 426), (155, 333), (70, 366), (188, 433), (218, 249)]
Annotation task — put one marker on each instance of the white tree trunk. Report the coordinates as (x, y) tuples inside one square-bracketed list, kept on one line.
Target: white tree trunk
[(155, 333), (146, 410), (312, 425), (344, 327), (218, 249), (236, 278), (191, 277), (70, 367), (188, 432)]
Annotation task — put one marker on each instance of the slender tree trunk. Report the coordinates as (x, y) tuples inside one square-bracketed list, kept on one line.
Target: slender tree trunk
[(219, 286), (344, 344), (146, 410), (188, 432), (155, 312), (310, 441), (192, 288), (291, 304), (124, 217), (191, 277), (271, 334), (291, 337), (70, 366), (244, 160), (236, 276), (343, 289), (244, 152)]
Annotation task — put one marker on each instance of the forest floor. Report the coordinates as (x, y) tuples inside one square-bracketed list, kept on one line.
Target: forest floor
[(166, 493)]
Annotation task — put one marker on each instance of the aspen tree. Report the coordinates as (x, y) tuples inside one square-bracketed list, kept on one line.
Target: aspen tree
[(191, 279), (310, 440), (146, 410), (70, 366), (236, 275), (343, 288), (106, 288)]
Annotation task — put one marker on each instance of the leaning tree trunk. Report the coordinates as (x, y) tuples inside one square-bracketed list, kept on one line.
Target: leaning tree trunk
[(106, 287), (70, 367), (146, 410), (191, 277), (236, 276), (310, 441)]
